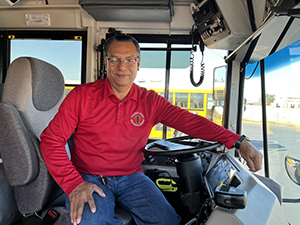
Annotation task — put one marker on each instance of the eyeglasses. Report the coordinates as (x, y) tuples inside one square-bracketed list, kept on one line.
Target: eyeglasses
[(117, 61)]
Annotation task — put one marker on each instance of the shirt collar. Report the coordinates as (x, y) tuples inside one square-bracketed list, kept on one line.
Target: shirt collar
[(107, 91)]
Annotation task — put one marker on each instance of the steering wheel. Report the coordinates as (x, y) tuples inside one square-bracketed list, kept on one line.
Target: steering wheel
[(181, 146)]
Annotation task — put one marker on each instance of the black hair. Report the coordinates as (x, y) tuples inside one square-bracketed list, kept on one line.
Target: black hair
[(123, 38)]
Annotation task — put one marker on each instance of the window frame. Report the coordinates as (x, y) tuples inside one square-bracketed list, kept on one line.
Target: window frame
[(7, 36)]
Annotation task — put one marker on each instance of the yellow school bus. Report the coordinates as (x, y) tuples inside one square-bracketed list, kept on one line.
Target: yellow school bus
[(197, 101)]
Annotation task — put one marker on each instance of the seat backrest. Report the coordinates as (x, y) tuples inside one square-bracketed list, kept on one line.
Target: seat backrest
[(32, 93), (8, 211)]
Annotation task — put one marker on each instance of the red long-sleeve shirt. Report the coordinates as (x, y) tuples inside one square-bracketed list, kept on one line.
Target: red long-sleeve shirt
[(110, 134)]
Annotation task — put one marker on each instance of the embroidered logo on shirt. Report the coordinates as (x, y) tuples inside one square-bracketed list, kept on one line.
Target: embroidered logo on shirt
[(137, 119)]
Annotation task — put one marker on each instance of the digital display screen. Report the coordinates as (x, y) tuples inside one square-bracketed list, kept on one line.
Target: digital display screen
[(222, 171)]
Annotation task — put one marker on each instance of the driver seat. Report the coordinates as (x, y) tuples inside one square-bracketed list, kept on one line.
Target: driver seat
[(33, 92)]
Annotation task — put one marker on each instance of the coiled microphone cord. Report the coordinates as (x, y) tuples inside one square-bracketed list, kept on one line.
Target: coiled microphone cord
[(202, 66)]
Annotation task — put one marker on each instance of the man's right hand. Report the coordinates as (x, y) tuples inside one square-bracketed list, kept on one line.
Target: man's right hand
[(79, 196)]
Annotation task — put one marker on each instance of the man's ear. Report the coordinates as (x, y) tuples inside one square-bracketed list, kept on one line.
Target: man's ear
[(138, 64)]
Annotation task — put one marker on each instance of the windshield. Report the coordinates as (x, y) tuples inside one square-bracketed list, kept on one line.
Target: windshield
[(152, 75)]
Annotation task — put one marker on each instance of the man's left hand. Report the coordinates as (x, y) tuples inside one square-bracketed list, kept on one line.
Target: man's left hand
[(251, 155)]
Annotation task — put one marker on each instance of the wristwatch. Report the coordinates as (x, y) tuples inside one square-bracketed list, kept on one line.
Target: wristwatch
[(240, 140)]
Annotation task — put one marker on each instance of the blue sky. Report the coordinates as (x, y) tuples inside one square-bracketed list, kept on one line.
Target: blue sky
[(64, 54)]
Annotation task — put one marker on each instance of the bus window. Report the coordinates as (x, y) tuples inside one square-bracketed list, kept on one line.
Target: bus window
[(66, 55), (197, 100), (181, 99), (210, 104), (171, 97), (182, 93), (283, 116)]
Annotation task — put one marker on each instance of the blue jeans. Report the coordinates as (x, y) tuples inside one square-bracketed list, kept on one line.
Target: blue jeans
[(135, 193)]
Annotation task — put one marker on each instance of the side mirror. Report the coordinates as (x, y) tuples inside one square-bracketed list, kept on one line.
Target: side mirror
[(219, 82), (292, 167)]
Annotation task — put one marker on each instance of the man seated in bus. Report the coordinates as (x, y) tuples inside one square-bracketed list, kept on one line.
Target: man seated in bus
[(112, 119)]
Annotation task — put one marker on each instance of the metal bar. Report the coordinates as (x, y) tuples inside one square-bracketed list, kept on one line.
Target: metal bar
[(167, 81), (4, 55), (227, 95), (240, 99), (264, 116), (289, 200)]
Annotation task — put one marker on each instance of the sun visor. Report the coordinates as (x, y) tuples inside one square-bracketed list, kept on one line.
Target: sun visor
[(131, 10)]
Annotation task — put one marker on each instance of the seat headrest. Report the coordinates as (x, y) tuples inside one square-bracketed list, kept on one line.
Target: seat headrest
[(36, 88)]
